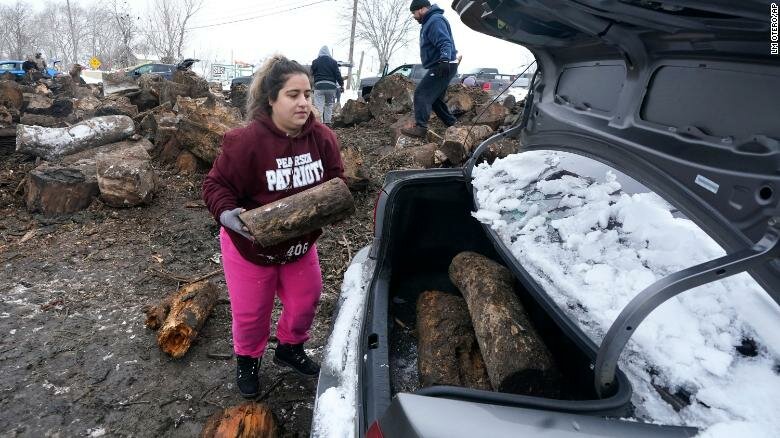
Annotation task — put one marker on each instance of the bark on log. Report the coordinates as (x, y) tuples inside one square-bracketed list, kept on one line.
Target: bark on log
[(51, 143), (203, 122), (459, 141), (354, 112), (42, 120), (516, 358), (492, 115), (300, 213), (248, 420), (11, 95), (54, 189), (189, 307), (393, 94), (354, 171), (447, 349)]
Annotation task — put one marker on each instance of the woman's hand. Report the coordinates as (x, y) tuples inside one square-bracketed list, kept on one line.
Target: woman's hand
[(229, 219)]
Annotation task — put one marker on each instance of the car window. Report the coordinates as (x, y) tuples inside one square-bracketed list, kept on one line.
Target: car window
[(161, 68), (405, 70), (143, 69), (8, 66)]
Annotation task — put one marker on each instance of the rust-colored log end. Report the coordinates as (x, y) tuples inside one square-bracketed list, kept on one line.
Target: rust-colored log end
[(248, 420), (176, 340)]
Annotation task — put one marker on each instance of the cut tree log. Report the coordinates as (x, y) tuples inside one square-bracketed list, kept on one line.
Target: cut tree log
[(492, 115), (11, 95), (458, 100), (424, 156), (459, 141), (43, 121), (447, 348), (354, 171), (52, 143), (202, 124), (117, 106), (119, 82), (126, 177), (181, 315), (299, 214), (516, 358), (248, 420), (354, 112), (60, 189), (393, 94), (238, 95)]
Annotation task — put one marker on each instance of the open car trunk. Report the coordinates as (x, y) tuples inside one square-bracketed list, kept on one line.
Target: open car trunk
[(426, 222)]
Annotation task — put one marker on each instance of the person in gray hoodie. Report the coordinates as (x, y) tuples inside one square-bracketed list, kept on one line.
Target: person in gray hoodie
[(327, 83)]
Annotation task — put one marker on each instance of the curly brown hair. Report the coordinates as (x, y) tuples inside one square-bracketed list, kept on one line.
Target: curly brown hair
[(268, 81)]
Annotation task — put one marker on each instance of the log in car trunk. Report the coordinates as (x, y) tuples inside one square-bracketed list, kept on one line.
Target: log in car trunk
[(425, 227)]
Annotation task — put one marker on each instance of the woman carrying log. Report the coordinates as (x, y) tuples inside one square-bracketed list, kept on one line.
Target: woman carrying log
[(281, 151)]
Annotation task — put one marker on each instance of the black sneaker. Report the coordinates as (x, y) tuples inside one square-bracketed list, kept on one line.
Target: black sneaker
[(293, 356), (246, 376)]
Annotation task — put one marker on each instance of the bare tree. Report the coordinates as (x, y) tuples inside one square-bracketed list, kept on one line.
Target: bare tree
[(17, 29), (125, 25), (384, 24), (167, 30)]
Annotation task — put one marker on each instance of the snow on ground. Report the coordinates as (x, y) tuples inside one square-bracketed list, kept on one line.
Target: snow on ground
[(593, 247), (335, 409)]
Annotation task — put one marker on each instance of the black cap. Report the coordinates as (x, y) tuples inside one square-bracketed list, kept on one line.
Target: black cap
[(417, 4)]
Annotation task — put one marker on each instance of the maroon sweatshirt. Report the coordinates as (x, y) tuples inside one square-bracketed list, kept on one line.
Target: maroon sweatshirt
[(259, 164)]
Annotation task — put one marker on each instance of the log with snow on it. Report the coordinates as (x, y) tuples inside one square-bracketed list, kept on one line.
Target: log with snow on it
[(52, 143)]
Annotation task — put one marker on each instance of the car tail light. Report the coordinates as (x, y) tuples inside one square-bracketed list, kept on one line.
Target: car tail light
[(374, 431), (486, 86)]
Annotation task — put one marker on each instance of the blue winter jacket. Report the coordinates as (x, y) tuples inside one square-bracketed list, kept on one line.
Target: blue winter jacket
[(436, 43)]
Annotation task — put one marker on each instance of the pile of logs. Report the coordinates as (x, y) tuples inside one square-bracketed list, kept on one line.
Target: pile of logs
[(484, 339)]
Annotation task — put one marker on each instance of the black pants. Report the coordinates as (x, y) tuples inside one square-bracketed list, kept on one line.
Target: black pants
[(430, 92)]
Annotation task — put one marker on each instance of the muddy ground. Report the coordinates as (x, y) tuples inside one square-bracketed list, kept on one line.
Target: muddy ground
[(75, 357)]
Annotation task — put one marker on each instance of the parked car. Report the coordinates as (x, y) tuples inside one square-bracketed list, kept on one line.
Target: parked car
[(678, 100), (15, 67), (164, 70), (489, 79), (415, 72)]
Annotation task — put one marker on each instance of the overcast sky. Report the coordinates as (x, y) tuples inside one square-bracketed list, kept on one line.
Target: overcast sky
[(300, 33), (270, 26)]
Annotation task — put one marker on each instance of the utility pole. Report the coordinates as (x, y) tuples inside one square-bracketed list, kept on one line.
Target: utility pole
[(352, 45)]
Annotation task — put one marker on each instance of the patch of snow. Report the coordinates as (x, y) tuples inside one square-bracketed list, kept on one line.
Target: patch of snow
[(335, 408), (97, 432), (593, 247)]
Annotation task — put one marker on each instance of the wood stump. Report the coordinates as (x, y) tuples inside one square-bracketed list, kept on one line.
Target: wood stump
[(447, 348), (460, 141), (354, 112), (52, 143), (181, 315), (516, 358), (492, 115), (354, 171), (249, 420), (300, 214), (126, 177), (392, 94), (60, 189)]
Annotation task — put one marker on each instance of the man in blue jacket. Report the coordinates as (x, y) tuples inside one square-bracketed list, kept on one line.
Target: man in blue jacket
[(437, 51)]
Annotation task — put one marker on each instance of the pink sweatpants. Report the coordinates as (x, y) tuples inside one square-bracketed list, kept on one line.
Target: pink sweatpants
[(252, 289)]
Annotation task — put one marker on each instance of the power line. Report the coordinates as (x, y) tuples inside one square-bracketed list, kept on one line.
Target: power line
[(259, 16), (240, 13)]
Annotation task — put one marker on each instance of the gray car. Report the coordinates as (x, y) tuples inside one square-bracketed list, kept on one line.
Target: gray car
[(671, 97)]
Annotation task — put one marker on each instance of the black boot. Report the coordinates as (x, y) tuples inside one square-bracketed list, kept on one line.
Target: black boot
[(293, 356), (246, 376)]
